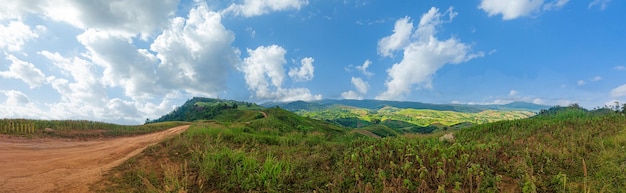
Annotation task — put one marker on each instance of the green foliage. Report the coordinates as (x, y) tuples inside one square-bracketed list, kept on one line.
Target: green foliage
[(570, 150), (199, 108)]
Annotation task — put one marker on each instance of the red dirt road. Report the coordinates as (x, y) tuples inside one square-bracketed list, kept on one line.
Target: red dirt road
[(59, 165)]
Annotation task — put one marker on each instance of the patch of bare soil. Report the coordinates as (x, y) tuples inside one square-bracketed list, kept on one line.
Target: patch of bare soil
[(61, 165)]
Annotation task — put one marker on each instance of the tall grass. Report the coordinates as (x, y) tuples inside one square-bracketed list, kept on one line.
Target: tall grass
[(77, 128)]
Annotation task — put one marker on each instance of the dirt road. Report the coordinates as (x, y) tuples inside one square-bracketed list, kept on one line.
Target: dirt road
[(58, 165)]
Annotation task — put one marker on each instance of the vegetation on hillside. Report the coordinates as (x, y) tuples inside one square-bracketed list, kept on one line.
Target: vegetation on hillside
[(410, 120), (200, 108), (570, 150)]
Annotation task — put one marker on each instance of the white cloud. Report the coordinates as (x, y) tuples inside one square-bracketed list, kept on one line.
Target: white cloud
[(13, 35), (127, 17), (266, 62), (619, 68), (251, 8), (581, 82), (351, 95), (363, 68), (512, 9), (398, 40), (361, 89), (555, 4), (619, 91), (16, 9), (305, 72), (361, 86), (195, 54), (192, 55), (513, 93), (15, 98), (423, 55), (600, 3), (24, 71)]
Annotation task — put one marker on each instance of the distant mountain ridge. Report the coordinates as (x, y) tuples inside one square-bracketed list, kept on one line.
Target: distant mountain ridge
[(378, 104)]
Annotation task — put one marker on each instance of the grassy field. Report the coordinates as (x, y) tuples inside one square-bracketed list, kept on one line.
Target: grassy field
[(568, 151), (77, 128)]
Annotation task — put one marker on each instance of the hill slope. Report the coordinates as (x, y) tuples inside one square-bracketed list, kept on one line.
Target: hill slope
[(200, 108), (378, 104), (567, 150)]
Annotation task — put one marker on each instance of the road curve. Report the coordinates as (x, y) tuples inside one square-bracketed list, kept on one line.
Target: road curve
[(58, 165)]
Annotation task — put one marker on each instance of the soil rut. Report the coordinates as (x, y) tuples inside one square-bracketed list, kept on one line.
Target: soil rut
[(57, 165)]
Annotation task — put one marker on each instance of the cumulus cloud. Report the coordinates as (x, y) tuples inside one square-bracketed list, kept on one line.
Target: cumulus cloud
[(18, 105), (399, 39), (513, 93), (15, 98), (600, 3), (84, 96), (14, 34), (193, 54), (363, 68), (361, 89), (24, 71), (251, 8), (351, 95), (619, 68), (513, 9), (125, 17), (423, 54), (17, 9), (361, 86), (581, 82), (305, 72), (266, 62), (189, 55), (619, 91), (128, 17)]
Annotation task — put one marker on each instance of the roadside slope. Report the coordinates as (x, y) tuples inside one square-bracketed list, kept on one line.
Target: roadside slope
[(57, 165)]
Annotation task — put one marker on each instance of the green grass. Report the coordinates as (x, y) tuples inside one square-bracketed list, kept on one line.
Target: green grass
[(568, 151)]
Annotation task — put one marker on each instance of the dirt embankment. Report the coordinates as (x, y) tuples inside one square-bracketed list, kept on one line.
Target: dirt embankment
[(58, 165)]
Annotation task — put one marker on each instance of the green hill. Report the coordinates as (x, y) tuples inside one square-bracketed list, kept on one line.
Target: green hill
[(564, 149), (199, 108), (378, 104), (273, 150), (415, 120)]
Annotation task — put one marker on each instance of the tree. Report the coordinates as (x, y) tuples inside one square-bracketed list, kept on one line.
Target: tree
[(375, 120)]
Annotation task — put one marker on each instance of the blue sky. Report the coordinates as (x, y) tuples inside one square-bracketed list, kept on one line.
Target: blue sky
[(127, 60)]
